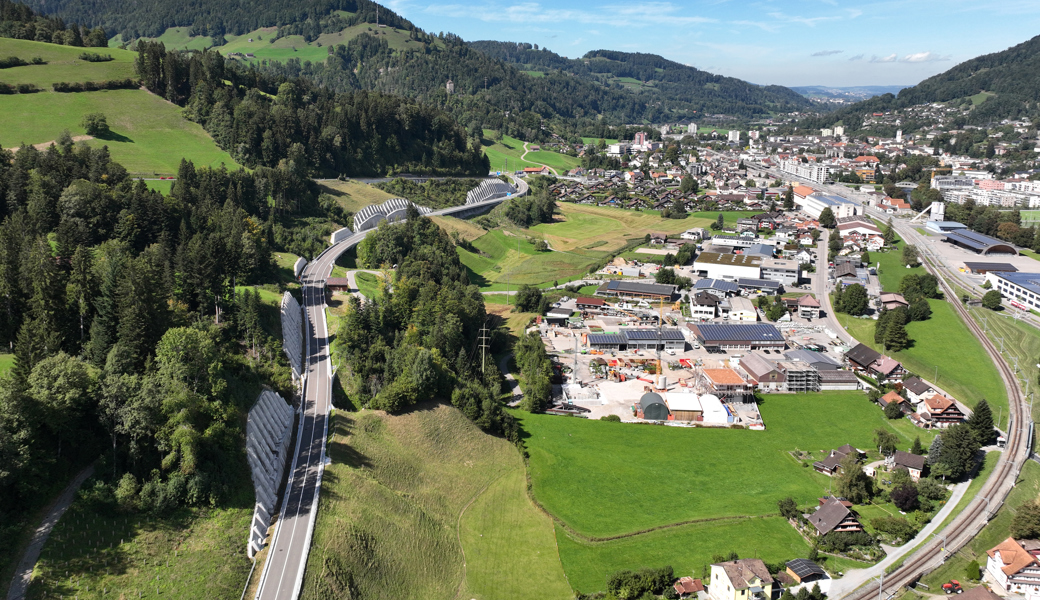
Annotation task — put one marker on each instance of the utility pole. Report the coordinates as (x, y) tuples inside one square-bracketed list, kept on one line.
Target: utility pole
[(483, 347)]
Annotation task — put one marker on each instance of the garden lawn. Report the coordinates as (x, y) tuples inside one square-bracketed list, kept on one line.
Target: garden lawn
[(606, 479), (729, 216), (404, 503), (688, 548), (63, 65), (150, 135)]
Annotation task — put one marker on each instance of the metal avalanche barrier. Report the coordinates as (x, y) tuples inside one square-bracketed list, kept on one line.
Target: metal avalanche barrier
[(268, 430), (292, 334)]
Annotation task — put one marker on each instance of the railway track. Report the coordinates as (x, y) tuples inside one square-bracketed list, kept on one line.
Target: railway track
[(966, 525)]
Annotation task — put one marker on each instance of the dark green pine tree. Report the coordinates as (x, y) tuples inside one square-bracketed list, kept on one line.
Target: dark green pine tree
[(981, 423), (110, 265)]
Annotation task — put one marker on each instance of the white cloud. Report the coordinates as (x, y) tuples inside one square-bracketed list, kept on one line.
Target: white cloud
[(884, 59), (857, 57), (924, 57), (826, 53)]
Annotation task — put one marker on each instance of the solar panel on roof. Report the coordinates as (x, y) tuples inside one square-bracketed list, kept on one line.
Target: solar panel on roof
[(743, 333), (761, 283), (803, 567), (651, 334), (612, 285), (606, 339)]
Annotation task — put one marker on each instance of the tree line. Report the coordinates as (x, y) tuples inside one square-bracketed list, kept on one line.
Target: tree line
[(263, 120), (20, 22)]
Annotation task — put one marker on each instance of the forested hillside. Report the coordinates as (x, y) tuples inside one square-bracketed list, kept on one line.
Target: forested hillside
[(678, 87), (298, 127), (1013, 75), (218, 17), (20, 22)]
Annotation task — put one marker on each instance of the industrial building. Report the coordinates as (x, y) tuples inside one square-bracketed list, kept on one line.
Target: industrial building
[(979, 243), (638, 339), (636, 290), (759, 285), (729, 267), (1021, 289), (651, 407), (733, 336), (787, 272), (717, 287), (814, 204)]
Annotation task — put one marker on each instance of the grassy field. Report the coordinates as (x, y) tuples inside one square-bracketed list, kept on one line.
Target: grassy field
[(508, 261), (592, 140), (510, 546), (353, 195), (466, 229), (1026, 489), (729, 217), (369, 284), (63, 64), (580, 226), (188, 554), (1020, 340), (560, 162), (181, 38), (513, 321), (162, 186), (150, 134), (405, 502), (605, 479), (687, 549), (508, 148)]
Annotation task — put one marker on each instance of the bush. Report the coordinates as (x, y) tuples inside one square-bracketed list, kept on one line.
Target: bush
[(897, 527), (840, 541), (905, 497), (27, 88), (11, 61), (611, 418), (629, 585), (892, 411), (95, 57), (991, 300), (126, 493), (972, 571), (94, 86)]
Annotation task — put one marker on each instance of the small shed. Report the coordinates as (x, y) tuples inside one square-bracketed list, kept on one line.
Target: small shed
[(652, 407), (803, 570), (338, 284), (684, 406)]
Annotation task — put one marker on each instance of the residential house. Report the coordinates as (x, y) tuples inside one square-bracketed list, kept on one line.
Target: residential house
[(900, 401), (865, 359), (1015, 568), (893, 301), (704, 306), (940, 411), (763, 373), (832, 464), (808, 307), (834, 514), (917, 390), (913, 463), (744, 579)]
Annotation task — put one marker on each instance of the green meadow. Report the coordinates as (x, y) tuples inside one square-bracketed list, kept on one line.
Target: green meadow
[(149, 134), (62, 64), (606, 479)]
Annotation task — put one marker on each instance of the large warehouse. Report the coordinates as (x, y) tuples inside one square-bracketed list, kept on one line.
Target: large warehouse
[(732, 336), (730, 267), (636, 290), (977, 242), (638, 339)]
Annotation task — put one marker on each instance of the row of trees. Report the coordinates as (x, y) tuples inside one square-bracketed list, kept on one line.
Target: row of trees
[(18, 21), (535, 366)]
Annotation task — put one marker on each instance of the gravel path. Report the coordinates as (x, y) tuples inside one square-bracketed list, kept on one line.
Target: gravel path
[(23, 575)]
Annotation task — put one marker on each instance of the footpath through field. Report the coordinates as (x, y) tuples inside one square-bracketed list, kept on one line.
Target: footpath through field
[(524, 157)]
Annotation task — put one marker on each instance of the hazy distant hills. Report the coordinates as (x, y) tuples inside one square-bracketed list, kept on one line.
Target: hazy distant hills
[(853, 93)]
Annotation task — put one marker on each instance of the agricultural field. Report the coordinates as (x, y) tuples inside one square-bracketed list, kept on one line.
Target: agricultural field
[(592, 475), (353, 195), (605, 229), (149, 134), (561, 162), (508, 148), (466, 229), (188, 554), (163, 186), (592, 140), (687, 548), (426, 505), (63, 64)]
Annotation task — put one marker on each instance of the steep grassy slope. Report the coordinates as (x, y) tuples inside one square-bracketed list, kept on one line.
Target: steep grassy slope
[(63, 63)]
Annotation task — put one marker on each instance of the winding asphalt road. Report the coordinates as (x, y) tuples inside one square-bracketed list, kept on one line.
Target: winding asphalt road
[(282, 577)]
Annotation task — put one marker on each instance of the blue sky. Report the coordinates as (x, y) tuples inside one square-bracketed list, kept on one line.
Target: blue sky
[(809, 42)]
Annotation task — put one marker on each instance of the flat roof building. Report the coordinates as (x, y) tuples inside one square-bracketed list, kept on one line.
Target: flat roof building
[(942, 227), (729, 267), (733, 336), (636, 289), (787, 272), (1022, 290)]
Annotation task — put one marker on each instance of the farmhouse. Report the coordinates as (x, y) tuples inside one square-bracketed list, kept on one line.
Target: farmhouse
[(834, 515), (763, 373), (917, 390), (913, 463), (893, 396), (1014, 566), (651, 407), (893, 301), (732, 336), (940, 411), (636, 290), (745, 579), (715, 265)]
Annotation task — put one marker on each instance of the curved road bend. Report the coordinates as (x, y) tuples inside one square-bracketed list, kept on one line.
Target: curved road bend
[(282, 577)]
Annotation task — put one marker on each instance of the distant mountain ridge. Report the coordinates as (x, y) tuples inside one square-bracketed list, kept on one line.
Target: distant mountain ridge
[(1011, 77), (677, 86), (859, 92)]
